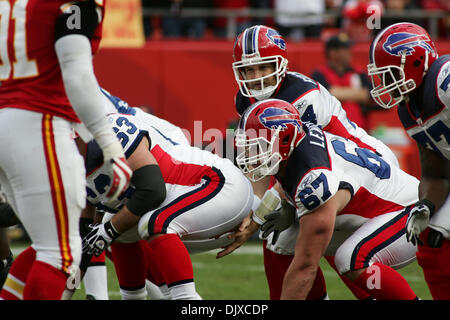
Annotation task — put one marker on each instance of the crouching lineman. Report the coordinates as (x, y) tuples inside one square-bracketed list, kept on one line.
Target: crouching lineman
[(206, 196), (337, 188)]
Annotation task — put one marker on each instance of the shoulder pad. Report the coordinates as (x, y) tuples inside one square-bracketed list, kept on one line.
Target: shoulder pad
[(315, 188), (296, 86), (128, 131), (310, 154)]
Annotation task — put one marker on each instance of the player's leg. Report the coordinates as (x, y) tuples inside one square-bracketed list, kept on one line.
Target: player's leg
[(435, 264), (193, 213), (435, 259), (359, 293), (96, 279), (275, 267), (131, 269), (130, 263), (48, 192), (370, 256)]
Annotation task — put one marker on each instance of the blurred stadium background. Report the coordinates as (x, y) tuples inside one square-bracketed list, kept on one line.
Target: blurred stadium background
[(173, 57)]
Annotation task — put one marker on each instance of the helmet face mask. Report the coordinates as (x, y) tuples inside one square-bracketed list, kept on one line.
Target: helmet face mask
[(268, 132), (266, 90), (254, 47), (258, 157), (389, 85), (400, 56)]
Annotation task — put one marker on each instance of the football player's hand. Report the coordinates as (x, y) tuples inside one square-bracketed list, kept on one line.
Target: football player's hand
[(100, 237), (240, 236), (278, 221), (418, 220), (117, 165)]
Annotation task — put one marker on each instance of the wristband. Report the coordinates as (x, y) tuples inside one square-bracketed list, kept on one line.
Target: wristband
[(110, 230), (428, 204), (270, 201)]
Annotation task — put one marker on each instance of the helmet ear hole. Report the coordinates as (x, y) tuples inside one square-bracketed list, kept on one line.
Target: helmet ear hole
[(416, 63), (285, 140)]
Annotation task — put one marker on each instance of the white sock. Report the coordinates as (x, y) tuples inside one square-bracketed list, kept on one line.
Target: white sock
[(185, 291), (153, 291), (139, 294), (96, 282)]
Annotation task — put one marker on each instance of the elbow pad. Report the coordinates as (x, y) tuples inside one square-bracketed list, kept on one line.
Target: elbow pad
[(150, 190)]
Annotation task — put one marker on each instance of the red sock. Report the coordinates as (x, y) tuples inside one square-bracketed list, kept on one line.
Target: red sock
[(44, 282), (435, 264), (170, 258), (152, 273), (18, 274), (384, 283), (359, 293), (130, 265), (276, 265)]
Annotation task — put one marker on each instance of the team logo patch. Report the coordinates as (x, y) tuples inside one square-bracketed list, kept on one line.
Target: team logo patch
[(401, 42), (272, 118), (276, 38)]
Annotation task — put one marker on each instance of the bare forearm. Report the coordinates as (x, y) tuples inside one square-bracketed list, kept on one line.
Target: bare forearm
[(298, 282), (434, 189), (124, 220)]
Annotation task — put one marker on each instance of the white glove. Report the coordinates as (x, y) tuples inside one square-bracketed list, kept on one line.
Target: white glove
[(116, 163), (418, 220), (100, 237), (278, 221)]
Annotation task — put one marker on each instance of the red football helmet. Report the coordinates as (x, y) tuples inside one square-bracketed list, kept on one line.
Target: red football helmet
[(254, 46), (400, 56), (268, 131)]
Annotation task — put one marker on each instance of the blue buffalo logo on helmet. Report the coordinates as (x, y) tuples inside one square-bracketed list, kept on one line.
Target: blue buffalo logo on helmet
[(398, 43), (276, 38), (272, 118)]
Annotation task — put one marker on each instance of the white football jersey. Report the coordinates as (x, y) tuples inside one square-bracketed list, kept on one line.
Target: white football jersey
[(324, 163), (180, 164), (426, 117)]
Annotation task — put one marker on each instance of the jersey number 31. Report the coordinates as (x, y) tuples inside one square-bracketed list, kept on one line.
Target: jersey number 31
[(22, 67)]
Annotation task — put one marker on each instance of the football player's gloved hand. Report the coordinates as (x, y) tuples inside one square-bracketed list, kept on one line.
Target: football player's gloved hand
[(100, 237), (278, 221), (418, 220), (116, 163)]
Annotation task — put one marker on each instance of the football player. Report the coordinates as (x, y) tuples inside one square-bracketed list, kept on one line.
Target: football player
[(261, 71), (196, 181), (407, 72), (48, 85), (348, 200)]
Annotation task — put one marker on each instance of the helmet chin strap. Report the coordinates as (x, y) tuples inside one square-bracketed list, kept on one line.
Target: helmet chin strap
[(264, 93)]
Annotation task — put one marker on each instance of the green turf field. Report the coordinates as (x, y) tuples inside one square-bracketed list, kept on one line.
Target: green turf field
[(240, 276)]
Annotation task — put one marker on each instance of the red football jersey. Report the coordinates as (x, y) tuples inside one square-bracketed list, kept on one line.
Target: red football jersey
[(30, 76)]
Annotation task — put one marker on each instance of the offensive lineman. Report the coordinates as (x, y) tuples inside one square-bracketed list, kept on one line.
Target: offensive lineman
[(48, 85), (337, 188), (260, 69), (196, 209), (407, 72)]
